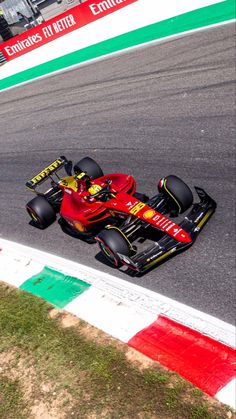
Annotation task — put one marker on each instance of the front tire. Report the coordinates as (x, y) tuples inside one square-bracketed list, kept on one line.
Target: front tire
[(112, 242), (177, 192), (41, 212)]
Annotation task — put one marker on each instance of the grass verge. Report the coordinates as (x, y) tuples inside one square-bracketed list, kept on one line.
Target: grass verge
[(54, 365)]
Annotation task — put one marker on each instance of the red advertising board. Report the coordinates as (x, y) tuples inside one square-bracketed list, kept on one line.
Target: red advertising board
[(60, 25)]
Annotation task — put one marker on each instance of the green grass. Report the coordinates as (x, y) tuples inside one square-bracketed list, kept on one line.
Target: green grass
[(12, 404), (84, 377)]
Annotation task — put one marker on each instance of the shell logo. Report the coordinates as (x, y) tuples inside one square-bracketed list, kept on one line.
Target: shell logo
[(149, 214)]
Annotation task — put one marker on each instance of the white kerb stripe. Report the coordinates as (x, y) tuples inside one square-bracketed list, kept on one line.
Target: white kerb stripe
[(227, 394), (118, 319), (16, 268)]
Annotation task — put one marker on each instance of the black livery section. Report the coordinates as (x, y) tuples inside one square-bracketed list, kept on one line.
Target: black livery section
[(166, 246)]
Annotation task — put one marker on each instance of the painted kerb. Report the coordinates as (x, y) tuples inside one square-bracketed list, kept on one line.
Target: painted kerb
[(195, 345)]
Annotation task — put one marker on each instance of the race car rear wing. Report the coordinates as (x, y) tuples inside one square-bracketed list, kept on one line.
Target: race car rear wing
[(48, 171)]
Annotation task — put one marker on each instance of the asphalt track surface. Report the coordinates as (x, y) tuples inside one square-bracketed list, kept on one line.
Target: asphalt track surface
[(165, 109)]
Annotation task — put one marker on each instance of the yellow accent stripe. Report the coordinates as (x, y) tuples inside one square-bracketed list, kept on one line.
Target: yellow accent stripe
[(33, 216), (203, 221), (32, 189), (165, 255), (172, 196)]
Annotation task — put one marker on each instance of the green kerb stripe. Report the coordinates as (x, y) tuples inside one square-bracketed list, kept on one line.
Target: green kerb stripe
[(55, 287), (210, 15)]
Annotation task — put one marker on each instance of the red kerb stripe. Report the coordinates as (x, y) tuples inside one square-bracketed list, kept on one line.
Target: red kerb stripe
[(208, 364)]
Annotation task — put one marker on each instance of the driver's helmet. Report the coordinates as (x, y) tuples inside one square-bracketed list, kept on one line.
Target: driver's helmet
[(94, 189)]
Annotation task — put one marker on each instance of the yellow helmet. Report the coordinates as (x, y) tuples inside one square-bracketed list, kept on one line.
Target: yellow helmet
[(94, 189)]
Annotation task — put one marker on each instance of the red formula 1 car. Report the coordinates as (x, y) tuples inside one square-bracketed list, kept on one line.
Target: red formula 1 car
[(131, 229)]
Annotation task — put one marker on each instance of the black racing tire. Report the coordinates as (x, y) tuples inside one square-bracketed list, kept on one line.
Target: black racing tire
[(179, 194), (89, 166), (41, 212), (110, 242)]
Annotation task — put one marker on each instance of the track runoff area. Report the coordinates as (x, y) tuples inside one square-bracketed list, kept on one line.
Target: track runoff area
[(199, 347)]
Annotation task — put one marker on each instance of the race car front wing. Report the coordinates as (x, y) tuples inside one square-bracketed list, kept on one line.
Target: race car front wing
[(167, 246)]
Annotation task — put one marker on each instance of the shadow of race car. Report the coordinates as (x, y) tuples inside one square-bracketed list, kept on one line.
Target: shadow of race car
[(131, 229)]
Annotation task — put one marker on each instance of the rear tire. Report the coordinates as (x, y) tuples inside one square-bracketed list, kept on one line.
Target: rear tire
[(89, 166), (179, 194), (112, 242), (41, 212)]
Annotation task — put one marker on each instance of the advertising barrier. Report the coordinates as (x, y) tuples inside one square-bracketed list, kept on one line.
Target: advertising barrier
[(142, 23), (60, 25)]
